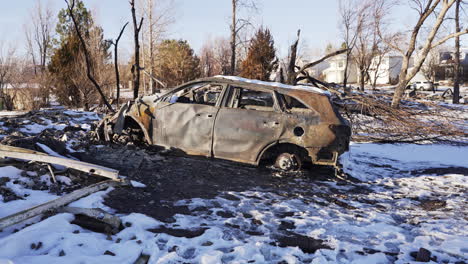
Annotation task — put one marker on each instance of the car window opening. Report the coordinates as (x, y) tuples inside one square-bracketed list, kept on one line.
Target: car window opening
[(291, 104), (206, 95), (251, 99)]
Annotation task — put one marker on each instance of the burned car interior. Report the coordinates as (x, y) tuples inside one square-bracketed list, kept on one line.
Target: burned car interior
[(240, 120)]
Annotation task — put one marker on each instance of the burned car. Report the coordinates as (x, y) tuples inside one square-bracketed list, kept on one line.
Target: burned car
[(238, 119)]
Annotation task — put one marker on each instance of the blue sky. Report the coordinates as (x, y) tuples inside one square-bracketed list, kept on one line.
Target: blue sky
[(196, 20)]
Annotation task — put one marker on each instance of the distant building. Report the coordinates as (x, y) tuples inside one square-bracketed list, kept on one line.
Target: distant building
[(385, 69), (443, 65), (315, 72), (446, 68), (335, 72)]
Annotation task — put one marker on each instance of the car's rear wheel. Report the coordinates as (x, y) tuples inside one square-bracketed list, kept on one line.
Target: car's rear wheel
[(288, 162)]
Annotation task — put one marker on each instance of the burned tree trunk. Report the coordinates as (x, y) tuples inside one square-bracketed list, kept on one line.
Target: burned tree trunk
[(345, 74), (136, 65), (116, 63), (233, 37), (292, 74), (86, 54), (291, 71), (456, 77)]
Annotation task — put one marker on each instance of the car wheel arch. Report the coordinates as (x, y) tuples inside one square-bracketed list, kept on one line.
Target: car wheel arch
[(130, 121), (278, 147)]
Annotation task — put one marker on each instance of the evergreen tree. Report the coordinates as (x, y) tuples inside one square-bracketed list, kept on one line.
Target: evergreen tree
[(176, 63), (259, 62), (67, 64), (65, 26)]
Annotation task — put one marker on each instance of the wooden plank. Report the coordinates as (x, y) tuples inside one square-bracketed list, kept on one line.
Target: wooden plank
[(96, 213), (56, 203), (26, 154), (16, 149)]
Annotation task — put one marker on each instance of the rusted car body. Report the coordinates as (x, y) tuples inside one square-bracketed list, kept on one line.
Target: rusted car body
[(239, 119)]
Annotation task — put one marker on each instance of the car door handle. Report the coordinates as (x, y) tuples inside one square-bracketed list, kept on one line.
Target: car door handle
[(266, 123), (208, 115)]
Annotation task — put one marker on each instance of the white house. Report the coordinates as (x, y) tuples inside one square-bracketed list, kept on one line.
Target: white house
[(315, 71), (335, 72), (385, 69)]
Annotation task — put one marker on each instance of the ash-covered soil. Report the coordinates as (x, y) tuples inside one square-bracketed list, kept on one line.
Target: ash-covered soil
[(170, 177)]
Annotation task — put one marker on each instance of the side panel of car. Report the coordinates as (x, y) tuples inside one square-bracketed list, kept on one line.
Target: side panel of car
[(249, 121), (188, 127)]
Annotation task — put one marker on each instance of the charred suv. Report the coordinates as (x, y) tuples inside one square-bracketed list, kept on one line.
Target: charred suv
[(238, 119)]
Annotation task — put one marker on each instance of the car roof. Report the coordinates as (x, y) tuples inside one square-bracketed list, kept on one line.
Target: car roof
[(275, 86)]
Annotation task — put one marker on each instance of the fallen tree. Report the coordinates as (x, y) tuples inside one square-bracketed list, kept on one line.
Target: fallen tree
[(374, 119)]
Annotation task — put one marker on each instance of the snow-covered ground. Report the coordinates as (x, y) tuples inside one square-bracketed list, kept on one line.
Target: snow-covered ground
[(406, 197), (402, 203)]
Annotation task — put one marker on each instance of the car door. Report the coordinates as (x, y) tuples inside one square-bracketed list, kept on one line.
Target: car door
[(248, 121), (186, 121)]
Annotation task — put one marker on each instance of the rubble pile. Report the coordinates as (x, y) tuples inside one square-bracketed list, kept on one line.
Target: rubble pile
[(63, 131), (37, 176)]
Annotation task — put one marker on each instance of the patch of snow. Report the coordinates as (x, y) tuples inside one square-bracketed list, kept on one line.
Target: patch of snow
[(275, 84), (64, 179), (95, 200), (137, 184), (38, 128), (49, 150), (399, 156), (11, 113), (86, 127), (10, 172)]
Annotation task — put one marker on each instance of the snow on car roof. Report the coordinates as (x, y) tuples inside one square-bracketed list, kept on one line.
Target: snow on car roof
[(275, 84)]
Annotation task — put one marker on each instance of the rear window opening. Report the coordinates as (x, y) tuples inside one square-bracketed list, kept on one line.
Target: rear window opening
[(292, 104)]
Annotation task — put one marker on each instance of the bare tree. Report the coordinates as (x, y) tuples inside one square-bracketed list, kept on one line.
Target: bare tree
[(7, 65), (456, 77), (425, 9), (159, 15), (429, 67), (208, 60), (116, 62), (215, 56), (136, 65), (70, 7), (381, 52), (369, 44), (39, 34), (352, 19), (238, 24)]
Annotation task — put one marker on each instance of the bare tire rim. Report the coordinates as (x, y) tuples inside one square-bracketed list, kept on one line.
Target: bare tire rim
[(288, 162)]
